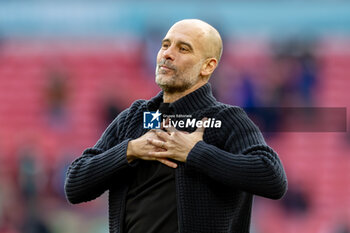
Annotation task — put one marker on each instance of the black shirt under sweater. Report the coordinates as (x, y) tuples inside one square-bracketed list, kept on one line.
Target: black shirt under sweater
[(151, 199)]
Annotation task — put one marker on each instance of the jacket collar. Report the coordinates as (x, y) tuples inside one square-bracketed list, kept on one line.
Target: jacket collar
[(196, 100)]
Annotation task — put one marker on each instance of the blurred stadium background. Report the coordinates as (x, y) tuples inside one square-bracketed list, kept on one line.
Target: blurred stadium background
[(68, 67)]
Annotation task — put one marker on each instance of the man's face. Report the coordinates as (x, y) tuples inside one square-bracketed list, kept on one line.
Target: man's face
[(180, 59)]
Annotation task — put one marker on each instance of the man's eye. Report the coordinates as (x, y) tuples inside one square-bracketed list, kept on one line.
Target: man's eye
[(183, 49), (165, 45)]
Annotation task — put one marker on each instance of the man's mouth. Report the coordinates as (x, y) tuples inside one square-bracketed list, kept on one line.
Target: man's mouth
[(164, 67)]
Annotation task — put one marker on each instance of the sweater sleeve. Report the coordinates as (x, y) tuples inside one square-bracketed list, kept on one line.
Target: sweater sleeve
[(89, 176), (245, 162)]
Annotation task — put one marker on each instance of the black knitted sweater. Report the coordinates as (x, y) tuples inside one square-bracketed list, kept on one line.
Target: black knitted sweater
[(214, 187)]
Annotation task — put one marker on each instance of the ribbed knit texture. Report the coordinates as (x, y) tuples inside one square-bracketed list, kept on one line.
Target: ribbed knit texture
[(215, 186)]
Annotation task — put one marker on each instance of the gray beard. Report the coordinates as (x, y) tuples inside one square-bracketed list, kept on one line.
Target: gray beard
[(174, 89)]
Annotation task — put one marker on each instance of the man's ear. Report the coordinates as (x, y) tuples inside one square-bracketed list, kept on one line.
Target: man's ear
[(209, 67)]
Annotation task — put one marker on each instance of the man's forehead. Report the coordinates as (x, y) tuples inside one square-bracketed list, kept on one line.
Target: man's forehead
[(185, 33), (187, 29), (199, 34)]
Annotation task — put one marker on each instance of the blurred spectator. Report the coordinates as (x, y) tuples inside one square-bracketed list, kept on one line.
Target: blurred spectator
[(27, 173), (30, 174), (151, 47), (247, 90), (31, 182), (295, 65), (33, 223), (57, 98), (59, 173), (110, 103), (296, 201), (111, 111)]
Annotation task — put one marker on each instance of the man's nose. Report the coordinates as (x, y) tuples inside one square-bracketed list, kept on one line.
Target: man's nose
[(169, 53)]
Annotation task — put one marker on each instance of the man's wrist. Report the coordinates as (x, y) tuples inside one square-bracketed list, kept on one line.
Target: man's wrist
[(129, 152)]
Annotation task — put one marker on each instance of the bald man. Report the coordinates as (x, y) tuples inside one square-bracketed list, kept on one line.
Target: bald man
[(181, 161)]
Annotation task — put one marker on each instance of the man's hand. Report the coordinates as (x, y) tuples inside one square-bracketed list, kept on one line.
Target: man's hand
[(140, 148), (177, 144)]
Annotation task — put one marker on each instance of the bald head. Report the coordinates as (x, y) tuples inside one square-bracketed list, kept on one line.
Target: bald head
[(208, 37), (188, 56)]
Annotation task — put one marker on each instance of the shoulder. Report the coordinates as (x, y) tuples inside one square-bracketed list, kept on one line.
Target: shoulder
[(235, 119), (135, 107), (237, 131), (127, 114), (231, 112), (223, 111), (130, 114), (138, 104)]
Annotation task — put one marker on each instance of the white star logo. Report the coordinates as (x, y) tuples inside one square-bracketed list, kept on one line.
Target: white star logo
[(156, 115)]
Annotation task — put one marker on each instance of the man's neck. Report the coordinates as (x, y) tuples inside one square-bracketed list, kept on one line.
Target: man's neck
[(172, 97)]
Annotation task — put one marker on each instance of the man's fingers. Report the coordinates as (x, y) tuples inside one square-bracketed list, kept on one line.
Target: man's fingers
[(159, 154), (157, 143), (167, 162), (162, 135), (158, 149)]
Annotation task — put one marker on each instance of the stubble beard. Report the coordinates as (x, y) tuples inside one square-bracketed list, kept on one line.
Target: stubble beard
[(175, 83), (170, 85)]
